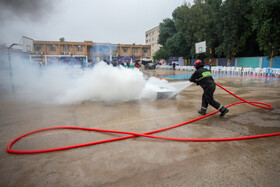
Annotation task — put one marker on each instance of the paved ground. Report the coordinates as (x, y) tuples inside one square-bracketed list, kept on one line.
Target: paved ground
[(141, 161)]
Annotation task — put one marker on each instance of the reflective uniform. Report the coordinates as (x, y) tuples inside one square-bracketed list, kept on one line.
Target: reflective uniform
[(203, 77)]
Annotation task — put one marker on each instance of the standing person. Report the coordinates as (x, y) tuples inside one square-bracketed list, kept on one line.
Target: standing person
[(203, 77), (174, 65), (136, 64)]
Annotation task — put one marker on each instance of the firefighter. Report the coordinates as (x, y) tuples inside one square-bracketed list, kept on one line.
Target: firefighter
[(203, 77)]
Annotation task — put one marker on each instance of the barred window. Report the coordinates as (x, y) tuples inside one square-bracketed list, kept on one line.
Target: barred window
[(52, 47), (66, 48), (145, 50), (79, 48), (38, 47), (125, 49), (135, 50)]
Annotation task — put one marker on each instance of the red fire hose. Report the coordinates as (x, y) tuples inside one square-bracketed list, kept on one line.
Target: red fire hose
[(146, 134)]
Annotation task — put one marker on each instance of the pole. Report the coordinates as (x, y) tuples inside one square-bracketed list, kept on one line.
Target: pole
[(210, 63), (11, 68), (11, 72)]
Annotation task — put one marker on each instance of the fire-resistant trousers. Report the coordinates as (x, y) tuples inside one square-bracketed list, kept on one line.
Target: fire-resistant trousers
[(207, 97)]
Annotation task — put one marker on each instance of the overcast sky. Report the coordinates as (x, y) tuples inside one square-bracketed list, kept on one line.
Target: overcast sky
[(113, 21)]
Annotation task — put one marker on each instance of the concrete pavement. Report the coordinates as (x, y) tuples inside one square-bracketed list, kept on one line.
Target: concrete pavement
[(143, 161)]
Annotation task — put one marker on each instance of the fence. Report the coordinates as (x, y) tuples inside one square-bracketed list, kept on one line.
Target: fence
[(254, 62)]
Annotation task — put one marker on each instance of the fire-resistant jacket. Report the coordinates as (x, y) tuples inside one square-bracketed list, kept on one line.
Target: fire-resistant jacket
[(202, 77)]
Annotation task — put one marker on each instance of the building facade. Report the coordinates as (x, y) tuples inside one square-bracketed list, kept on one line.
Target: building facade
[(151, 38), (87, 52)]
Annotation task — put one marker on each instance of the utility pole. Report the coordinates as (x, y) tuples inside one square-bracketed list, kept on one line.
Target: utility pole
[(11, 68)]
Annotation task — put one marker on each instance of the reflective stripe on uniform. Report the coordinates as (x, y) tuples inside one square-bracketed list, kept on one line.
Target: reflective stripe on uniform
[(204, 75)]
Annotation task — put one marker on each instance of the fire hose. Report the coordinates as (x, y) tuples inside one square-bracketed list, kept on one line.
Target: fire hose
[(146, 134)]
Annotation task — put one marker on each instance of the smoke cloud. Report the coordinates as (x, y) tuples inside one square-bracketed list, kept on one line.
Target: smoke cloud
[(64, 84), (33, 10)]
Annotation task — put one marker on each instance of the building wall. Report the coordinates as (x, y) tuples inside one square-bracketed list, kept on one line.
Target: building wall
[(224, 61), (140, 50), (56, 48), (254, 62), (249, 62), (207, 61), (276, 62), (151, 38), (92, 51), (27, 44)]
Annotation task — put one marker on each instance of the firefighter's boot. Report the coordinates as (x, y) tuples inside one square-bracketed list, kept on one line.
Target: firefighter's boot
[(202, 111), (223, 111)]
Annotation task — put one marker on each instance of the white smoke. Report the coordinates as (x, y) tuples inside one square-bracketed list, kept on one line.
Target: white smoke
[(104, 83), (63, 84)]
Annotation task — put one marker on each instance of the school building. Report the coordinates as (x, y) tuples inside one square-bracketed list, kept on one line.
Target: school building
[(151, 38), (87, 52)]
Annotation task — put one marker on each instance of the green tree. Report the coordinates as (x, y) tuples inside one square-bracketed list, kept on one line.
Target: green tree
[(161, 54), (172, 41), (213, 25), (230, 27), (252, 47), (181, 16), (192, 23), (177, 46), (196, 26), (235, 27), (166, 30), (62, 39), (266, 22)]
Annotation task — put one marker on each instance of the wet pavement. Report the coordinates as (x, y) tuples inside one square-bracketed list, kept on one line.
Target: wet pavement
[(143, 161)]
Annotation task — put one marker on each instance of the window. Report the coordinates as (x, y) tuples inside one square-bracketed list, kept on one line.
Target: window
[(38, 47), (52, 47), (93, 49), (115, 52), (145, 50), (28, 48), (146, 41), (135, 50), (125, 49), (79, 48), (66, 48), (107, 49)]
